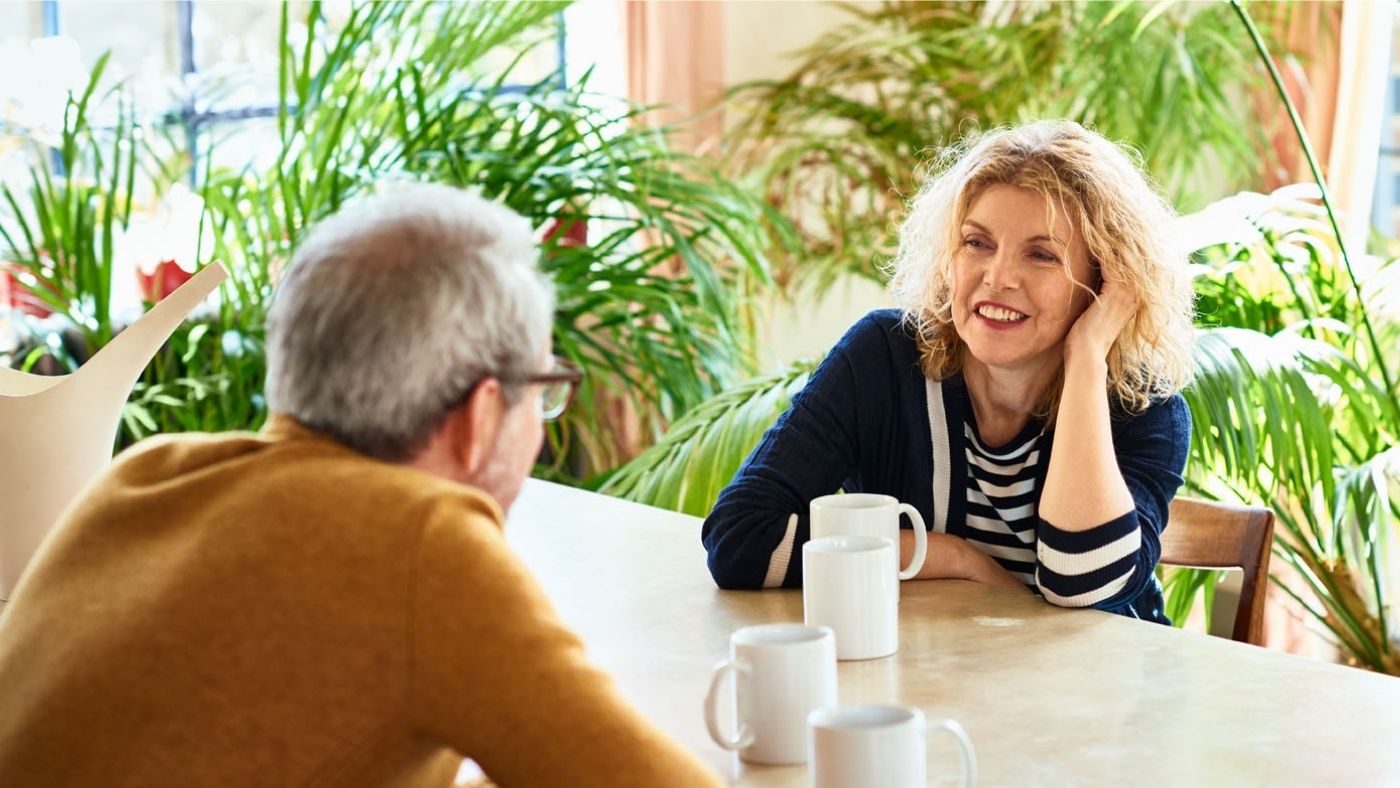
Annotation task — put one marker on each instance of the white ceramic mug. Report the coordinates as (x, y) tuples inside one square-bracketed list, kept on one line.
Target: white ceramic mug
[(862, 746), (866, 514), (847, 585), (781, 673)]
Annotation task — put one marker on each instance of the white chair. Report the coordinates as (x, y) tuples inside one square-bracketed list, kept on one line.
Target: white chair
[(58, 430)]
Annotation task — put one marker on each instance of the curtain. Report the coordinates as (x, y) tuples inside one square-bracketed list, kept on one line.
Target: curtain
[(675, 58), (1308, 33), (1336, 77), (1356, 125)]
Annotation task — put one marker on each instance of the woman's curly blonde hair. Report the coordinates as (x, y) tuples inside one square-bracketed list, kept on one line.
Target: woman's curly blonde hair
[(1125, 224)]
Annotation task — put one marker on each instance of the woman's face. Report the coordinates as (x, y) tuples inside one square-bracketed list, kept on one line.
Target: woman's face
[(1012, 301)]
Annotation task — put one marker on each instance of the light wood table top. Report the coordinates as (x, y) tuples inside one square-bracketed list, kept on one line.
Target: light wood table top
[(1049, 696)]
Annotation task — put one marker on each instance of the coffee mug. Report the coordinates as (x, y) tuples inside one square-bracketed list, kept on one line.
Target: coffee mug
[(847, 584), (866, 514), (862, 746), (781, 673)]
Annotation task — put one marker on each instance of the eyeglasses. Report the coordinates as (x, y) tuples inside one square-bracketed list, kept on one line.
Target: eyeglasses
[(559, 384)]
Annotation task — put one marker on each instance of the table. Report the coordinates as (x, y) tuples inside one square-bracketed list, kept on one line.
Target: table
[(1049, 696)]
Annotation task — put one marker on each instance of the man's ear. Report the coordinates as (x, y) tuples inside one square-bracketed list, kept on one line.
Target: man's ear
[(477, 425)]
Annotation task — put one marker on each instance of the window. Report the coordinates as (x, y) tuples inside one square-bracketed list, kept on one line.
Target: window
[(1386, 206), (203, 77), (595, 44), (207, 66)]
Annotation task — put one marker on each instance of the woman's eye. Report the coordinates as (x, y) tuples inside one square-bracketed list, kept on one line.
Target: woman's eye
[(1043, 256), (974, 242)]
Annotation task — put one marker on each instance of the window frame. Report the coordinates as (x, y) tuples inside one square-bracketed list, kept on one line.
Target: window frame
[(194, 121)]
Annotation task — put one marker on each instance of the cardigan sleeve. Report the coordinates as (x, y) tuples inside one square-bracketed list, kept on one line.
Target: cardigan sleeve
[(1110, 565), (495, 675), (753, 536)]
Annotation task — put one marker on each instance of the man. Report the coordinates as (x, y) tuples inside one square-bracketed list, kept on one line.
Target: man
[(331, 601)]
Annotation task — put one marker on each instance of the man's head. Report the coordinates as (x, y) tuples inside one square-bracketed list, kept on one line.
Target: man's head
[(406, 328)]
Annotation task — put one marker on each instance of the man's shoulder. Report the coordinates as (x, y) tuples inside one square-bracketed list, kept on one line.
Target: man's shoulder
[(377, 493), (168, 454), (307, 478)]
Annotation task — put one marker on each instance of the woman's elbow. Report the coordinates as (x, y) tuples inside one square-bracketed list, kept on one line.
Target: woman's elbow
[(1071, 592), (729, 576), (730, 564)]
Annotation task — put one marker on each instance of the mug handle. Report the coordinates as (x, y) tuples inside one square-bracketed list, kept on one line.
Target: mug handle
[(743, 737), (916, 562), (966, 754)]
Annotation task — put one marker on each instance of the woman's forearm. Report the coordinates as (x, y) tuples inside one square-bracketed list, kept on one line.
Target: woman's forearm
[(1083, 485), (951, 558)]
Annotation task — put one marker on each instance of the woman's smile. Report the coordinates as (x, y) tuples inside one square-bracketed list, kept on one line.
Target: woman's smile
[(999, 317)]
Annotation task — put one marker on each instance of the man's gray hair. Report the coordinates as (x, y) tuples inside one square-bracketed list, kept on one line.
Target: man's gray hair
[(395, 306)]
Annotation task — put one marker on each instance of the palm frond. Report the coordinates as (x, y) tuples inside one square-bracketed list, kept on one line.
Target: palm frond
[(686, 470), (1270, 415)]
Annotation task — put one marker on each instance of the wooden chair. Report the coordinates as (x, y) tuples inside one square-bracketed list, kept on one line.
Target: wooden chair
[(1208, 535)]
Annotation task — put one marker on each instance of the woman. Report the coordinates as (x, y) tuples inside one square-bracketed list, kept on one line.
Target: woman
[(1024, 398)]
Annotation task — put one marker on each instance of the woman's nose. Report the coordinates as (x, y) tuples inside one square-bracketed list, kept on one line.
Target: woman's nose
[(1000, 273)]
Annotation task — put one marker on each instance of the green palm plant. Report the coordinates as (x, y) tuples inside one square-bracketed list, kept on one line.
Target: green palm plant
[(62, 231), (686, 470), (664, 338), (1296, 408), (834, 143), (338, 91), (59, 229), (427, 108), (1297, 425)]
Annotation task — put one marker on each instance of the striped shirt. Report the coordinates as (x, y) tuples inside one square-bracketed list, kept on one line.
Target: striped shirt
[(1001, 499), (1002, 521)]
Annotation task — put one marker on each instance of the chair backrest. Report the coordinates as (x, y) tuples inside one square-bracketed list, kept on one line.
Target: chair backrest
[(1208, 535), (56, 433)]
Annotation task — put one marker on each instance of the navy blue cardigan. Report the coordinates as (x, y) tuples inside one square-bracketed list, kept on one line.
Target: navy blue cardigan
[(863, 424)]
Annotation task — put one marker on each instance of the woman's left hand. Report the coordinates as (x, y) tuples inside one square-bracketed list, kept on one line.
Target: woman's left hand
[(1094, 333)]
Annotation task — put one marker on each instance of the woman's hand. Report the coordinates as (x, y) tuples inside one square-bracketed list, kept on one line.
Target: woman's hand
[(1093, 334), (952, 558), (984, 569)]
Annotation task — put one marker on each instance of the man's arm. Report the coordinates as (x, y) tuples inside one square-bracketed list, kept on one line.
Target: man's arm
[(498, 677)]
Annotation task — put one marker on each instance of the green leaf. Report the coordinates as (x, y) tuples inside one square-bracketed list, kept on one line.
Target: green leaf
[(698, 456)]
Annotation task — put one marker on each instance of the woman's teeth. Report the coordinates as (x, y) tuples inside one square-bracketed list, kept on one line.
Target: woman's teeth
[(999, 314)]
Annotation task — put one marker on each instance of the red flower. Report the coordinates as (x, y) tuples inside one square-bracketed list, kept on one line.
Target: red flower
[(164, 280), (17, 295), (575, 235)]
